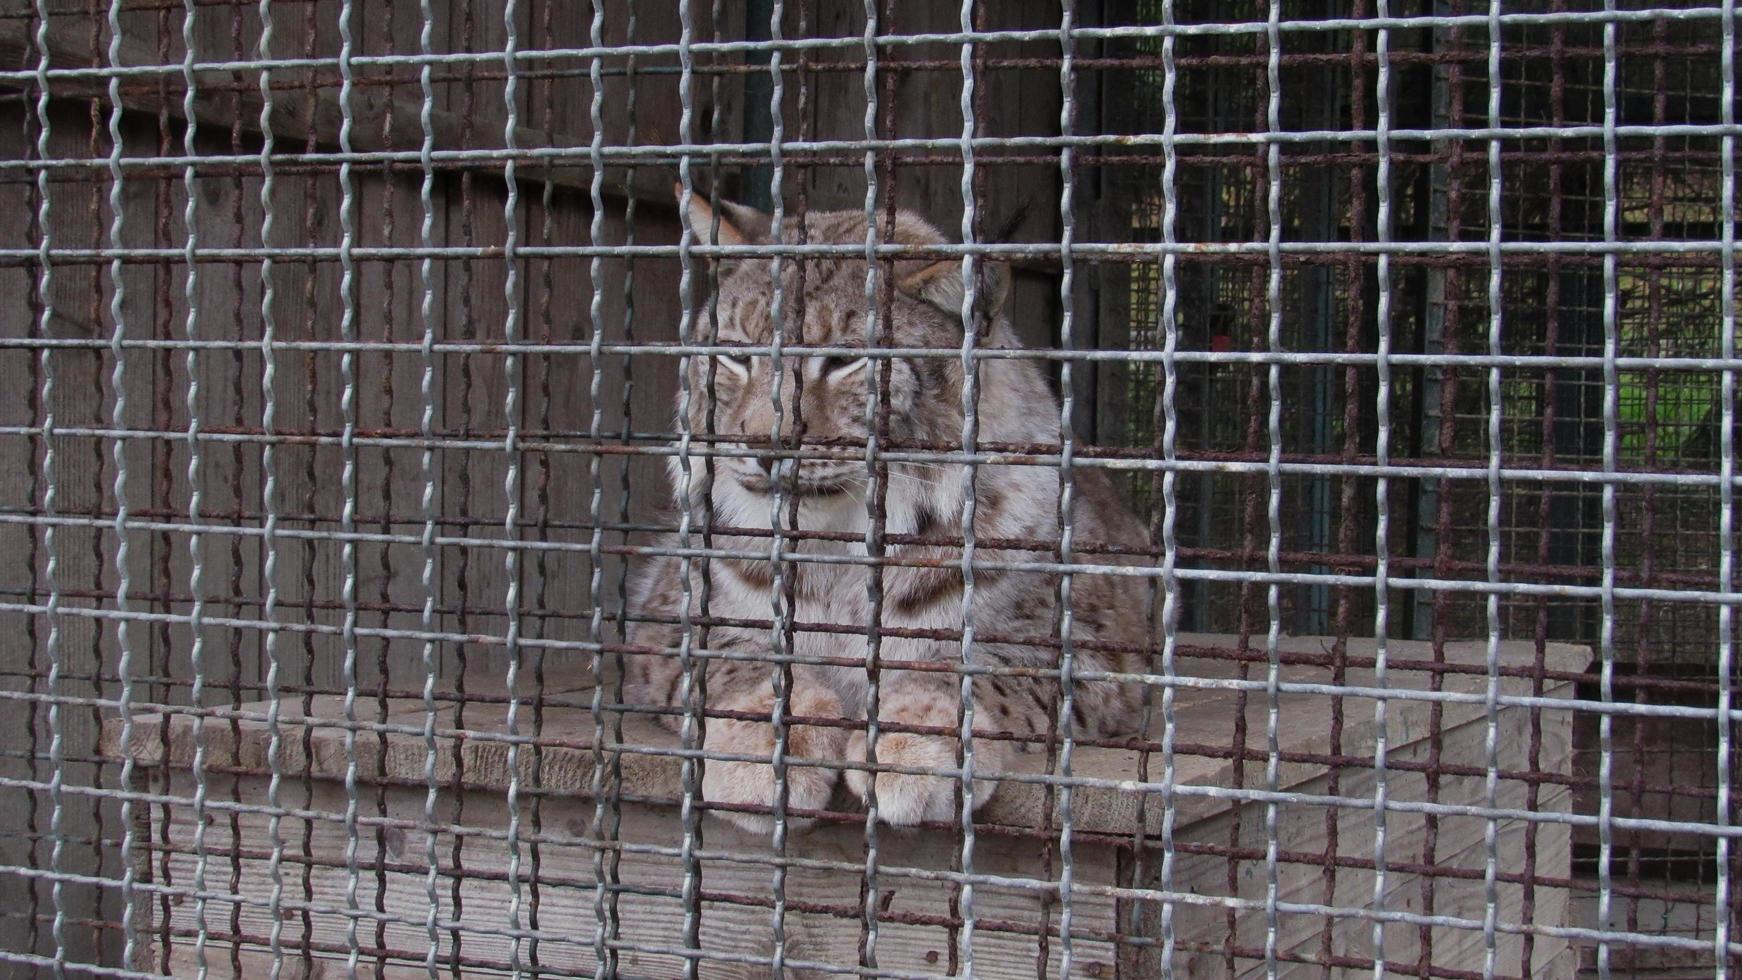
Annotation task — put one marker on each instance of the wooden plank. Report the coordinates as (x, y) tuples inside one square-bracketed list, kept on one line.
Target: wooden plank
[(252, 961), (319, 120), (1460, 848), (1301, 832), (1689, 913), (823, 922), (1200, 718)]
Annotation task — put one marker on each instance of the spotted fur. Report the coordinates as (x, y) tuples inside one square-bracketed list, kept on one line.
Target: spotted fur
[(824, 410)]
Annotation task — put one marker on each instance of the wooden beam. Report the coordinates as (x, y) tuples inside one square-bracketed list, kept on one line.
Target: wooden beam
[(372, 110)]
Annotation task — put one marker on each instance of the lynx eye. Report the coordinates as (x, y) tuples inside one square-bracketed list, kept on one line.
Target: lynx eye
[(735, 362), (840, 365)]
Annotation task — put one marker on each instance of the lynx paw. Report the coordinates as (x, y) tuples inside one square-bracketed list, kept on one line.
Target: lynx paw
[(904, 799), (752, 783)]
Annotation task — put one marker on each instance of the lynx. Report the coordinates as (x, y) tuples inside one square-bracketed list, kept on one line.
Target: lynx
[(824, 405)]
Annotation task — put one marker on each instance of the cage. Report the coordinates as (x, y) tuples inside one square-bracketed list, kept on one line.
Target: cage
[(1108, 488)]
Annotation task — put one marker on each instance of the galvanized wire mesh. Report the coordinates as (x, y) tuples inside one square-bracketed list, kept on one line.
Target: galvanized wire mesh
[(358, 351)]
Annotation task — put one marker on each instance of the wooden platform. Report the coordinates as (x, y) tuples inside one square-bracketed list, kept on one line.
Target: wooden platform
[(1220, 845)]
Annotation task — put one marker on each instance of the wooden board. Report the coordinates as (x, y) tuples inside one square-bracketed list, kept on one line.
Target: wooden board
[(824, 897)]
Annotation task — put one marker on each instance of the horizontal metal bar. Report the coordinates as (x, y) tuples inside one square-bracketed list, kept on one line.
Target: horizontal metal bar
[(1516, 362), (1425, 584), (61, 962), (673, 152), (1158, 681), (1403, 469), (857, 42), (1088, 250)]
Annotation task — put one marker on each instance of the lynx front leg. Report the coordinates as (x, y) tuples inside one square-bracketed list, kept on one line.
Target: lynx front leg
[(746, 688), (906, 798)]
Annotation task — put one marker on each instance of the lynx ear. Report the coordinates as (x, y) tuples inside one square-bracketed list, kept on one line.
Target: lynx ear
[(940, 284), (738, 225)]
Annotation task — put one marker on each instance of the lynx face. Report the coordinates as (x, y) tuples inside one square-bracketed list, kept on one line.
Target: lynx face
[(823, 399)]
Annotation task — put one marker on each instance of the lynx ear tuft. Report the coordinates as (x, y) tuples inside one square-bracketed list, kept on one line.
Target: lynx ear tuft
[(737, 224)]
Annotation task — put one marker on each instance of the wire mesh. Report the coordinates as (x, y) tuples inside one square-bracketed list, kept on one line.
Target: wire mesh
[(1101, 488)]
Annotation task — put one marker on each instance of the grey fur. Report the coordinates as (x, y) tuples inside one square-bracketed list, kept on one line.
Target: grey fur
[(1012, 502)]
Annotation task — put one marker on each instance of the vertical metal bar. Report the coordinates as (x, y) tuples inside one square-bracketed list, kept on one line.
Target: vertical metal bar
[(969, 493), (1442, 334), (1273, 467), (545, 98), (1169, 330), (50, 501), (159, 659), (310, 547), (1611, 407), (239, 566), (595, 546), (1726, 483), (389, 510), (1243, 208), (1440, 304), (118, 421), (780, 633), (612, 802), (1546, 435), (195, 478), (426, 429), (1382, 453), (704, 594), (1648, 524), (348, 477), (462, 559), (269, 505), (875, 497), (1348, 500), (98, 491), (511, 478), (1137, 386), (34, 720), (1067, 483), (691, 738), (970, 471), (1496, 324)]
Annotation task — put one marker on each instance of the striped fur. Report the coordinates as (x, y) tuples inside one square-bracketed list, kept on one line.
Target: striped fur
[(824, 404)]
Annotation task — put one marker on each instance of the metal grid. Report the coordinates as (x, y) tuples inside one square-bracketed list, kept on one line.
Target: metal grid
[(350, 338)]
